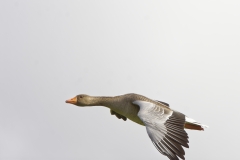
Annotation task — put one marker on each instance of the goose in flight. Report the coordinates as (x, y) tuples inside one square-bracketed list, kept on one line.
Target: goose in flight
[(165, 126)]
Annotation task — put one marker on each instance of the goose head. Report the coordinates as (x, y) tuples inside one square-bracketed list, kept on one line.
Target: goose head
[(81, 100)]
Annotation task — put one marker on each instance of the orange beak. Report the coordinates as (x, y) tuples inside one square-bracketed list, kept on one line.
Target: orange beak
[(72, 100)]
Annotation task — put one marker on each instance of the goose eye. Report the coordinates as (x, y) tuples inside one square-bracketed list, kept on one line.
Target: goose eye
[(80, 96)]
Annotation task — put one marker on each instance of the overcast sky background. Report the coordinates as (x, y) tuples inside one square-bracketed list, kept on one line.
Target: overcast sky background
[(186, 53)]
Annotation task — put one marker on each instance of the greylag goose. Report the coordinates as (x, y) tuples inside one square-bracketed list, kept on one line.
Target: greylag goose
[(164, 125)]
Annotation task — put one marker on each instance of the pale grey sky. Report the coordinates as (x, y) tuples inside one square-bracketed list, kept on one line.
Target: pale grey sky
[(185, 53)]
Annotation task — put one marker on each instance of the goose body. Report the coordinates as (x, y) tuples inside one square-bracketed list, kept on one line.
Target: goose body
[(124, 105), (164, 126)]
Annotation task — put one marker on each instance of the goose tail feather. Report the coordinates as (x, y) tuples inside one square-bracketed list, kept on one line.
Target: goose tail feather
[(194, 125)]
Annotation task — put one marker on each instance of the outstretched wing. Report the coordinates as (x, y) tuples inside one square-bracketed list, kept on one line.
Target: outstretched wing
[(165, 128)]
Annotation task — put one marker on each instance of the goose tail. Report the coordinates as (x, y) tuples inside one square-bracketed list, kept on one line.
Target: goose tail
[(194, 125)]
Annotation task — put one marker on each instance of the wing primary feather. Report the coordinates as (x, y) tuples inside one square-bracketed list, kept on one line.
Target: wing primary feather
[(174, 148), (158, 148), (174, 138), (170, 154), (177, 122), (176, 145), (179, 128), (176, 133), (180, 137)]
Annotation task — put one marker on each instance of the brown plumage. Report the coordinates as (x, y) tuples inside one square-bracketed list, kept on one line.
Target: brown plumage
[(165, 126)]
